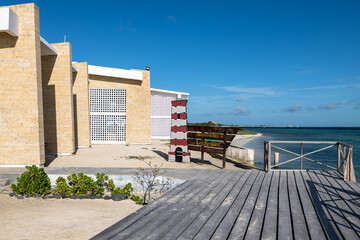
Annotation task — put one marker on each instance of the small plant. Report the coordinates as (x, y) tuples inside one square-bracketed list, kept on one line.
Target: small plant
[(32, 182), (62, 187), (147, 178), (110, 186), (139, 157), (127, 190), (137, 199)]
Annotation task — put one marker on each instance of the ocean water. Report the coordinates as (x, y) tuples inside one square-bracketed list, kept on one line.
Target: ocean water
[(349, 136)]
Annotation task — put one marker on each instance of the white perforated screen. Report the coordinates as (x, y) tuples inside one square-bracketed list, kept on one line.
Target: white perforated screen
[(107, 115)]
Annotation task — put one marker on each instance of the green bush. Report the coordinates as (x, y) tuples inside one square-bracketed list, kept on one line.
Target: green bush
[(83, 185), (62, 187), (31, 182), (127, 190), (137, 199)]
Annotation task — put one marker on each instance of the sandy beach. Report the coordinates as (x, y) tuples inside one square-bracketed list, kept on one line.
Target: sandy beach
[(125, 156)]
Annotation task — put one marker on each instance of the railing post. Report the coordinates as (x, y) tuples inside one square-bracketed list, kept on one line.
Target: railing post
[(301, 155), (338, 156), (269, 157), (265, 156), (276, 159)]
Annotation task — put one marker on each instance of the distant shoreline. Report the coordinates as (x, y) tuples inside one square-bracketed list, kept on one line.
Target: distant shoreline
[(335, 128), (241, 140)]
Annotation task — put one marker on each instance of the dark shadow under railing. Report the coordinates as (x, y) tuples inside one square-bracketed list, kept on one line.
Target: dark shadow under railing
[(344, 156)]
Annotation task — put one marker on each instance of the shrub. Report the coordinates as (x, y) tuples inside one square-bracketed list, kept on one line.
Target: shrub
[(81, 185), (127, 190), (137, 199), (33, 181), (62, 187)]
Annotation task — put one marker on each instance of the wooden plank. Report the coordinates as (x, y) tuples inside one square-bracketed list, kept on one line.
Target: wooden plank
[(298, 219), (214, 136), (128, 226), (211, 225), (163, 223), (285, 230), (352, 217), (215, 144), (227, 130), (206, 149), (181, 225), (343, 226), (127, 221), (257, 218), (239, 229), (312, 220), (189, 218), (269, 230), (223, 230), (318, 197), (202, 218)]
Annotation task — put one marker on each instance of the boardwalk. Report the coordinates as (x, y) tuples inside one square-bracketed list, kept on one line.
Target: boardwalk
[(249, 205)]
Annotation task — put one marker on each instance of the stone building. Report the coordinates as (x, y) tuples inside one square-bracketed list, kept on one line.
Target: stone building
[(52, 105)]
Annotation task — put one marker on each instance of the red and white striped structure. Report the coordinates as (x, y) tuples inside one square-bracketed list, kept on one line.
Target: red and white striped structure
[(179, 151)]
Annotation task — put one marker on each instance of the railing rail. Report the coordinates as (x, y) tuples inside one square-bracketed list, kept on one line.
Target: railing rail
[(344, 156)]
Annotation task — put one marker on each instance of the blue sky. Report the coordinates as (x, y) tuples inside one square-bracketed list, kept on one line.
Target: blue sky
[(243, 62)]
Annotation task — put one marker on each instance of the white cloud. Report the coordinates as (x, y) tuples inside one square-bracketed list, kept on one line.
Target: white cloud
[(294, 108), (261, 91)]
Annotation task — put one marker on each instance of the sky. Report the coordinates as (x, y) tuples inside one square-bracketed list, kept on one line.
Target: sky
[(275, 63)]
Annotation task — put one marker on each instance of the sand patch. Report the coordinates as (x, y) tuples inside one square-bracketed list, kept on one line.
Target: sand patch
[(32, 218)]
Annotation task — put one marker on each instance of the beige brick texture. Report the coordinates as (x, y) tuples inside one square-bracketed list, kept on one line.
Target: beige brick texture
[(138, 118), (21, 115), (58, 100), (81, 105)]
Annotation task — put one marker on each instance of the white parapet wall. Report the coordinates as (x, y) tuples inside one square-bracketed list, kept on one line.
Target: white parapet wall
[(242, 154)]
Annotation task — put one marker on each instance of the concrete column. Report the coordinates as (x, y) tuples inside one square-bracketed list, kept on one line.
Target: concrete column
[(58, 100), (81, 105), (21, 107)]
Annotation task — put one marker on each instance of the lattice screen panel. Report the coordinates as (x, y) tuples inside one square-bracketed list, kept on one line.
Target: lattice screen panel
[(107, 115), (160, 127), (161, 105), (108, 128), (108, 100)]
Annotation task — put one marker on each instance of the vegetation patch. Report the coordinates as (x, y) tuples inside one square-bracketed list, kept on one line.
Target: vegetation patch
[(36, 182), (246, 132), (139, 157), (32, 182)]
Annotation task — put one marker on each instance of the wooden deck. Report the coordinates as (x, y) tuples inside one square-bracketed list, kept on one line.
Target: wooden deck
[(249, 205)]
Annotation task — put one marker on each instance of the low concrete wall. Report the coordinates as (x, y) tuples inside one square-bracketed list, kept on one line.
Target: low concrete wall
[(122, 180), (241, 154)]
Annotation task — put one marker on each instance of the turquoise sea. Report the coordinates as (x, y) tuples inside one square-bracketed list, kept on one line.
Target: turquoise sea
[(349, 136)]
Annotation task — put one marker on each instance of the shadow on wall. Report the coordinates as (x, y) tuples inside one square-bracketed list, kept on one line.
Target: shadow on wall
[(76, 130), (7, 41), (49, 106)]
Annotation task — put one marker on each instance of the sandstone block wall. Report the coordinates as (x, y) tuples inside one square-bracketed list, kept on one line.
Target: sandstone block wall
[(21, 115), (58, 100), (81, 105), (138, 118)]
